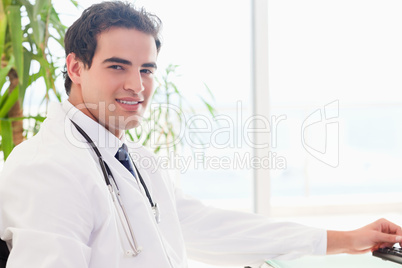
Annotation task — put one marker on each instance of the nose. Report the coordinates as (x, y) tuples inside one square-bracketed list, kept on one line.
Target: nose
[(134, 82)]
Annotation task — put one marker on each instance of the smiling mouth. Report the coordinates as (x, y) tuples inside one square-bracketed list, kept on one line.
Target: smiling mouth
[(128, 102)]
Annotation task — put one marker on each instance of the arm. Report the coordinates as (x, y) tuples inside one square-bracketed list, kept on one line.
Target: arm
[(226, 236), (223, 237), (46, 215), (380, 233)]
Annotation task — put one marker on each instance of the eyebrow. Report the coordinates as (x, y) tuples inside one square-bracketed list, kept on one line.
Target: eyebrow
[(150, 65), (126, 62), (117, 60)]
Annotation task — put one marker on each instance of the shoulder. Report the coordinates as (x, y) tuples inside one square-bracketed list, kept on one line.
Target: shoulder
[(49, 155), (53, 143)]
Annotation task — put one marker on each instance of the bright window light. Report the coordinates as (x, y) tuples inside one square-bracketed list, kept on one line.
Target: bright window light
[(334, 72)]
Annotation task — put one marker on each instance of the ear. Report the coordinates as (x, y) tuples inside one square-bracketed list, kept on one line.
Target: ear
[(74, 66)]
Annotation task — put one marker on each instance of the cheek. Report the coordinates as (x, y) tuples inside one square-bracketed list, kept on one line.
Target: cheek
[(149, 87), (90, 85)]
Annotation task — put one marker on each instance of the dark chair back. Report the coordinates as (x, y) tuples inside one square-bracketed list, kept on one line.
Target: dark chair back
[(4, 252)]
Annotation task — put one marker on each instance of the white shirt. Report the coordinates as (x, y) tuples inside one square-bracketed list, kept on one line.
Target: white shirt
[(56, 210)]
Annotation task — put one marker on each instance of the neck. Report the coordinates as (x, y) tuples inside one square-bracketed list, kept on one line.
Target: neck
[(80, 105)]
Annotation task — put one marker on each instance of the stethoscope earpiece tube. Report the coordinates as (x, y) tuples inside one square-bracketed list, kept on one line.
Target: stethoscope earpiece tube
[(107, 174)]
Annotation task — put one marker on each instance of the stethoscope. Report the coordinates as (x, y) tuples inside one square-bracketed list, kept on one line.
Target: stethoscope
[(115, 193)]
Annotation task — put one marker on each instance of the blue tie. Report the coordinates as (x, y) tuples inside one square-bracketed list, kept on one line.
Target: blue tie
[(124, 158)]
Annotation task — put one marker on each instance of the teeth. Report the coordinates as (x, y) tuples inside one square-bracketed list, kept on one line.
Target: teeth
[(128, 102)]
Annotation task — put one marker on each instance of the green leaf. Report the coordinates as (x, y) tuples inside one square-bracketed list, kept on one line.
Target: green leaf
[(3, 28), (175, 89), (46, 78), (26, 3), (7, 143), (210, 108), (10, 101), (128, 133), (75, 3), (37, 118), (25, 80), (4, 71), (58, 26), (14, 22), (39, 33), (39, 5), (4, 98), (209, 91), (34, 23)]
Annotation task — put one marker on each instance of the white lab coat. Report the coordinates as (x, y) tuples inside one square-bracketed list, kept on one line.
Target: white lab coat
[(56, 210)]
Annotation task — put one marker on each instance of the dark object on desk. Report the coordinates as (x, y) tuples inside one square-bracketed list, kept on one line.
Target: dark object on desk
[(389, 254), (4, 252)]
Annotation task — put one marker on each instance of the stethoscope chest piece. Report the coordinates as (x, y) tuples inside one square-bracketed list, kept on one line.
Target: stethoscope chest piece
[(157, 214)]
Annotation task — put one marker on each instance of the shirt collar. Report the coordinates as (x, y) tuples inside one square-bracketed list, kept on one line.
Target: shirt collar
[(102, 137)]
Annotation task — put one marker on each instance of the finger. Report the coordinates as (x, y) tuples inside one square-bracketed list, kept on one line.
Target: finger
[(398, 230), (390, 227), (387, 238), (385, 245), (378, 246)]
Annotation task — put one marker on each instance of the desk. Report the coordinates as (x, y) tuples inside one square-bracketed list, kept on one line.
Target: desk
[(338, 261)]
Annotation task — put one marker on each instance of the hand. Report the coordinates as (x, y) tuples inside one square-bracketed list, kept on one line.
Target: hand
[(379, 234)]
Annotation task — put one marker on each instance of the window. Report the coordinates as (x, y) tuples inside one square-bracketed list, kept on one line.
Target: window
[(334, 73)]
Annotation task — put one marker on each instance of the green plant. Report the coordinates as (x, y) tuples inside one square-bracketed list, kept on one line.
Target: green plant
[(25, 32)]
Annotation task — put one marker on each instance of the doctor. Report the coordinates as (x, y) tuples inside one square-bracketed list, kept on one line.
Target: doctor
[(71, 197)]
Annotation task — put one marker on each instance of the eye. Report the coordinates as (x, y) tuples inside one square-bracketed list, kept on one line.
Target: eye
[(146, 71), (116, 67)]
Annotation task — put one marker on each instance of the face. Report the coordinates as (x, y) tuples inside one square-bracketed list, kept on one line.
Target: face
[(116, 89)]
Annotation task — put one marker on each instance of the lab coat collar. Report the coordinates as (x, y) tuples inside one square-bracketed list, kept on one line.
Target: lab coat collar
[(102, 137)]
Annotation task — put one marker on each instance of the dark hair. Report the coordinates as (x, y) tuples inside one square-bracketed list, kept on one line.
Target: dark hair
[(81, 37)]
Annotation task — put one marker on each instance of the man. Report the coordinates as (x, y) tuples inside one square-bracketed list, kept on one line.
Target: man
[(70, 197)]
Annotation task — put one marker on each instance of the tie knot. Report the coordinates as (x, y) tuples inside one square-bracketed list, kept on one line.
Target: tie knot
[(122, 153), (124, 158)]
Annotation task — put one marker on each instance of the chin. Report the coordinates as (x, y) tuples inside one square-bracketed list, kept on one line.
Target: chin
[(131, 124)]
